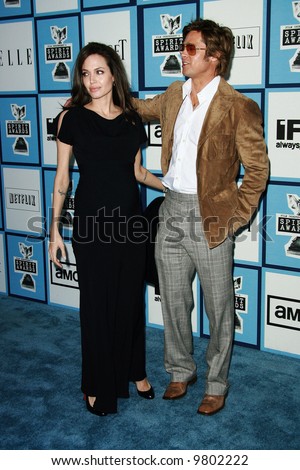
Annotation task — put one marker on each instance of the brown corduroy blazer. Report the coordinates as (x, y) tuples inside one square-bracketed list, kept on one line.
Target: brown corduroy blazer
[(232, 133)]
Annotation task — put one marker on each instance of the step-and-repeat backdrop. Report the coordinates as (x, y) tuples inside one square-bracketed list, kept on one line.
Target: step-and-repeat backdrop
[(39, 42)]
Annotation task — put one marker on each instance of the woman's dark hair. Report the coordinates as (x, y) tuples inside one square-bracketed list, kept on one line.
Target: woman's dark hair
[(121, 88), (219, 41)]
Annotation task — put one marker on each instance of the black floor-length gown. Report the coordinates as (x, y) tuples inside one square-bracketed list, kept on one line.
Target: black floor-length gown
[(109, 248)]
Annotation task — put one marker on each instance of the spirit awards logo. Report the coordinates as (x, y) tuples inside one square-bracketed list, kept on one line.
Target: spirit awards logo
[(12, 3), (26, 266), (240, 305), (168, 45), (290, 38), (19, 130), (59, 54), (289, 224)]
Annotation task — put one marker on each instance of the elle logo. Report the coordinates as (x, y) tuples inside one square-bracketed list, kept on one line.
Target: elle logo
[(15, 57)]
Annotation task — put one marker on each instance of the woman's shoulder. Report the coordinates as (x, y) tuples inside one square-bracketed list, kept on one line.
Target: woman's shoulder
[(73, 109), (57, 121), (68, 117), (70, 112), (136, 117)]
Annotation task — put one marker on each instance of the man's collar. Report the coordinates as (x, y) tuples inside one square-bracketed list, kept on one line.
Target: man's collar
[(212, 85)]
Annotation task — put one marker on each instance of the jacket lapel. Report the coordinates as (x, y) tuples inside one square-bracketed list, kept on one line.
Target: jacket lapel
[(174, 108), (219, 107)]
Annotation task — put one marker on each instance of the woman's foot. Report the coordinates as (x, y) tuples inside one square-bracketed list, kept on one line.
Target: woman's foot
[(91, 406), (144, 389)]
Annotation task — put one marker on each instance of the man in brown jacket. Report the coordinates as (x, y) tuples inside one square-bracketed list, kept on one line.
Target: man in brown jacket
[(208, 129)]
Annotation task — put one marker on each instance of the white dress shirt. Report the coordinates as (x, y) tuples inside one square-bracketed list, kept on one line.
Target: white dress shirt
[(181, 176)]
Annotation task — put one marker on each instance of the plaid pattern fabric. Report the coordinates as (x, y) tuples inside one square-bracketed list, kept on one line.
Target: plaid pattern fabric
[(181, 250)]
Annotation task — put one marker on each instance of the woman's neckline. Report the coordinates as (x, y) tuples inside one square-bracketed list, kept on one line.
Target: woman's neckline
[(102, 116)]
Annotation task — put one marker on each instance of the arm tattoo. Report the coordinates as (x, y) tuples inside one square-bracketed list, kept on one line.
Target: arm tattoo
[(61, 192)]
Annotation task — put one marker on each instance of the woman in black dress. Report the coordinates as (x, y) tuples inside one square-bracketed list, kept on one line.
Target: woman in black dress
[(104, 133)]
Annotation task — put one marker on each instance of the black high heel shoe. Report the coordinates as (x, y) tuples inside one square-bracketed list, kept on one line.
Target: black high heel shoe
[(148, 394), (92, 409)]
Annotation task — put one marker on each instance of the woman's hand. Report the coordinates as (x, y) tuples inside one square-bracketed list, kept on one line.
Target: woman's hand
[(54, 246)]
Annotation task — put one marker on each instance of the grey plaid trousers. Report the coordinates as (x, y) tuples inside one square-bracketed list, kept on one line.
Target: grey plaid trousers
[(181, 250)]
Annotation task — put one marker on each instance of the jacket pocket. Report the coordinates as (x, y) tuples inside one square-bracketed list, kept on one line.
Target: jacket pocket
[(221, 146), (227, 196), (223, 205)]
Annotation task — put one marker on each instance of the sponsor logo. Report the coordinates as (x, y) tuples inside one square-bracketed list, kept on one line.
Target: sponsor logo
[(59, 54), (290, 38), (240, 304), (168, 44), (27, 266), (67, 214), (120, 48), (283, 312), (154, 135), (19, 129), (51, 129), (247, 41), (15, 57), (288, 224), (286, 130), (22, 199), (65, 277)]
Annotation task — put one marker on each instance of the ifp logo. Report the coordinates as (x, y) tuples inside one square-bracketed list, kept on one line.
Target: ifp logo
[(287, 128)]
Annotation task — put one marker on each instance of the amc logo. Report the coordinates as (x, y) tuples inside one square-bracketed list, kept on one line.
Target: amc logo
[(283, 312), (66, 277)]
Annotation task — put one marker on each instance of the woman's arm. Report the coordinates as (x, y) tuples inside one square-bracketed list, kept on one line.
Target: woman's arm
[(61, 185), (144, 176)]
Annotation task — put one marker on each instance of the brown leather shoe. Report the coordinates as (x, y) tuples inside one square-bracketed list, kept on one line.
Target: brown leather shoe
[(211, 404), (177, 390)]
